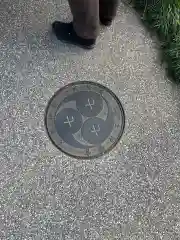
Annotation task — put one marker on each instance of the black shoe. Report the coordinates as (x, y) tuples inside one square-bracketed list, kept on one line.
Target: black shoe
[(106, 21), (65, 33)]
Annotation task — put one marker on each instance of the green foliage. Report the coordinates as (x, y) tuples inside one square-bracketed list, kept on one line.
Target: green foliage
[(164, 17)]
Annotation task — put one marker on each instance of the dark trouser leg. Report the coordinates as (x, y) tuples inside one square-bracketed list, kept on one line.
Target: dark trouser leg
[(85, 27), (107, 9), (85, 17)]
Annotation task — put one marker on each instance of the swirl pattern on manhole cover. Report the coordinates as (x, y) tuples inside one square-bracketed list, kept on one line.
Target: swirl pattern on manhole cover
[(85, 119)]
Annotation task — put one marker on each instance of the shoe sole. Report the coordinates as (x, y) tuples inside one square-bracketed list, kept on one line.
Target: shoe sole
[(107, 24)]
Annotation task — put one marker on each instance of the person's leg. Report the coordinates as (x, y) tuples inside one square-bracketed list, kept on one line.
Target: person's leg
[(85, 17), (107, 11), (84, 29)]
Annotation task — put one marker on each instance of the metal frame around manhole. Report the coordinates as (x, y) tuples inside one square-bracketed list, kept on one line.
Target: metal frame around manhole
[(102, 88)]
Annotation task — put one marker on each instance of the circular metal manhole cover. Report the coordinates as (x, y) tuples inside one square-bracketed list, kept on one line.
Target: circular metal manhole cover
[(85, 119)]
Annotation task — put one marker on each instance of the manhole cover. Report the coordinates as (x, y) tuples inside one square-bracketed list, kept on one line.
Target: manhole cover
[(85, 119)]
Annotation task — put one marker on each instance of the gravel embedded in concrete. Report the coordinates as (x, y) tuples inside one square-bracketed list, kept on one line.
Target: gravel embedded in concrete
[(131, 193)]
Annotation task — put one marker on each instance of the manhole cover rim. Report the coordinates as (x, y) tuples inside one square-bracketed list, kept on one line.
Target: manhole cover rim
[(106, 89)]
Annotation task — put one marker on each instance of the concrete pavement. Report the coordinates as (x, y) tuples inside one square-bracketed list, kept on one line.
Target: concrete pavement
[(131, 193)]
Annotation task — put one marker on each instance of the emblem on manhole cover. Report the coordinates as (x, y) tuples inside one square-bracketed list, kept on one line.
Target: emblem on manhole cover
[(85, 119)]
